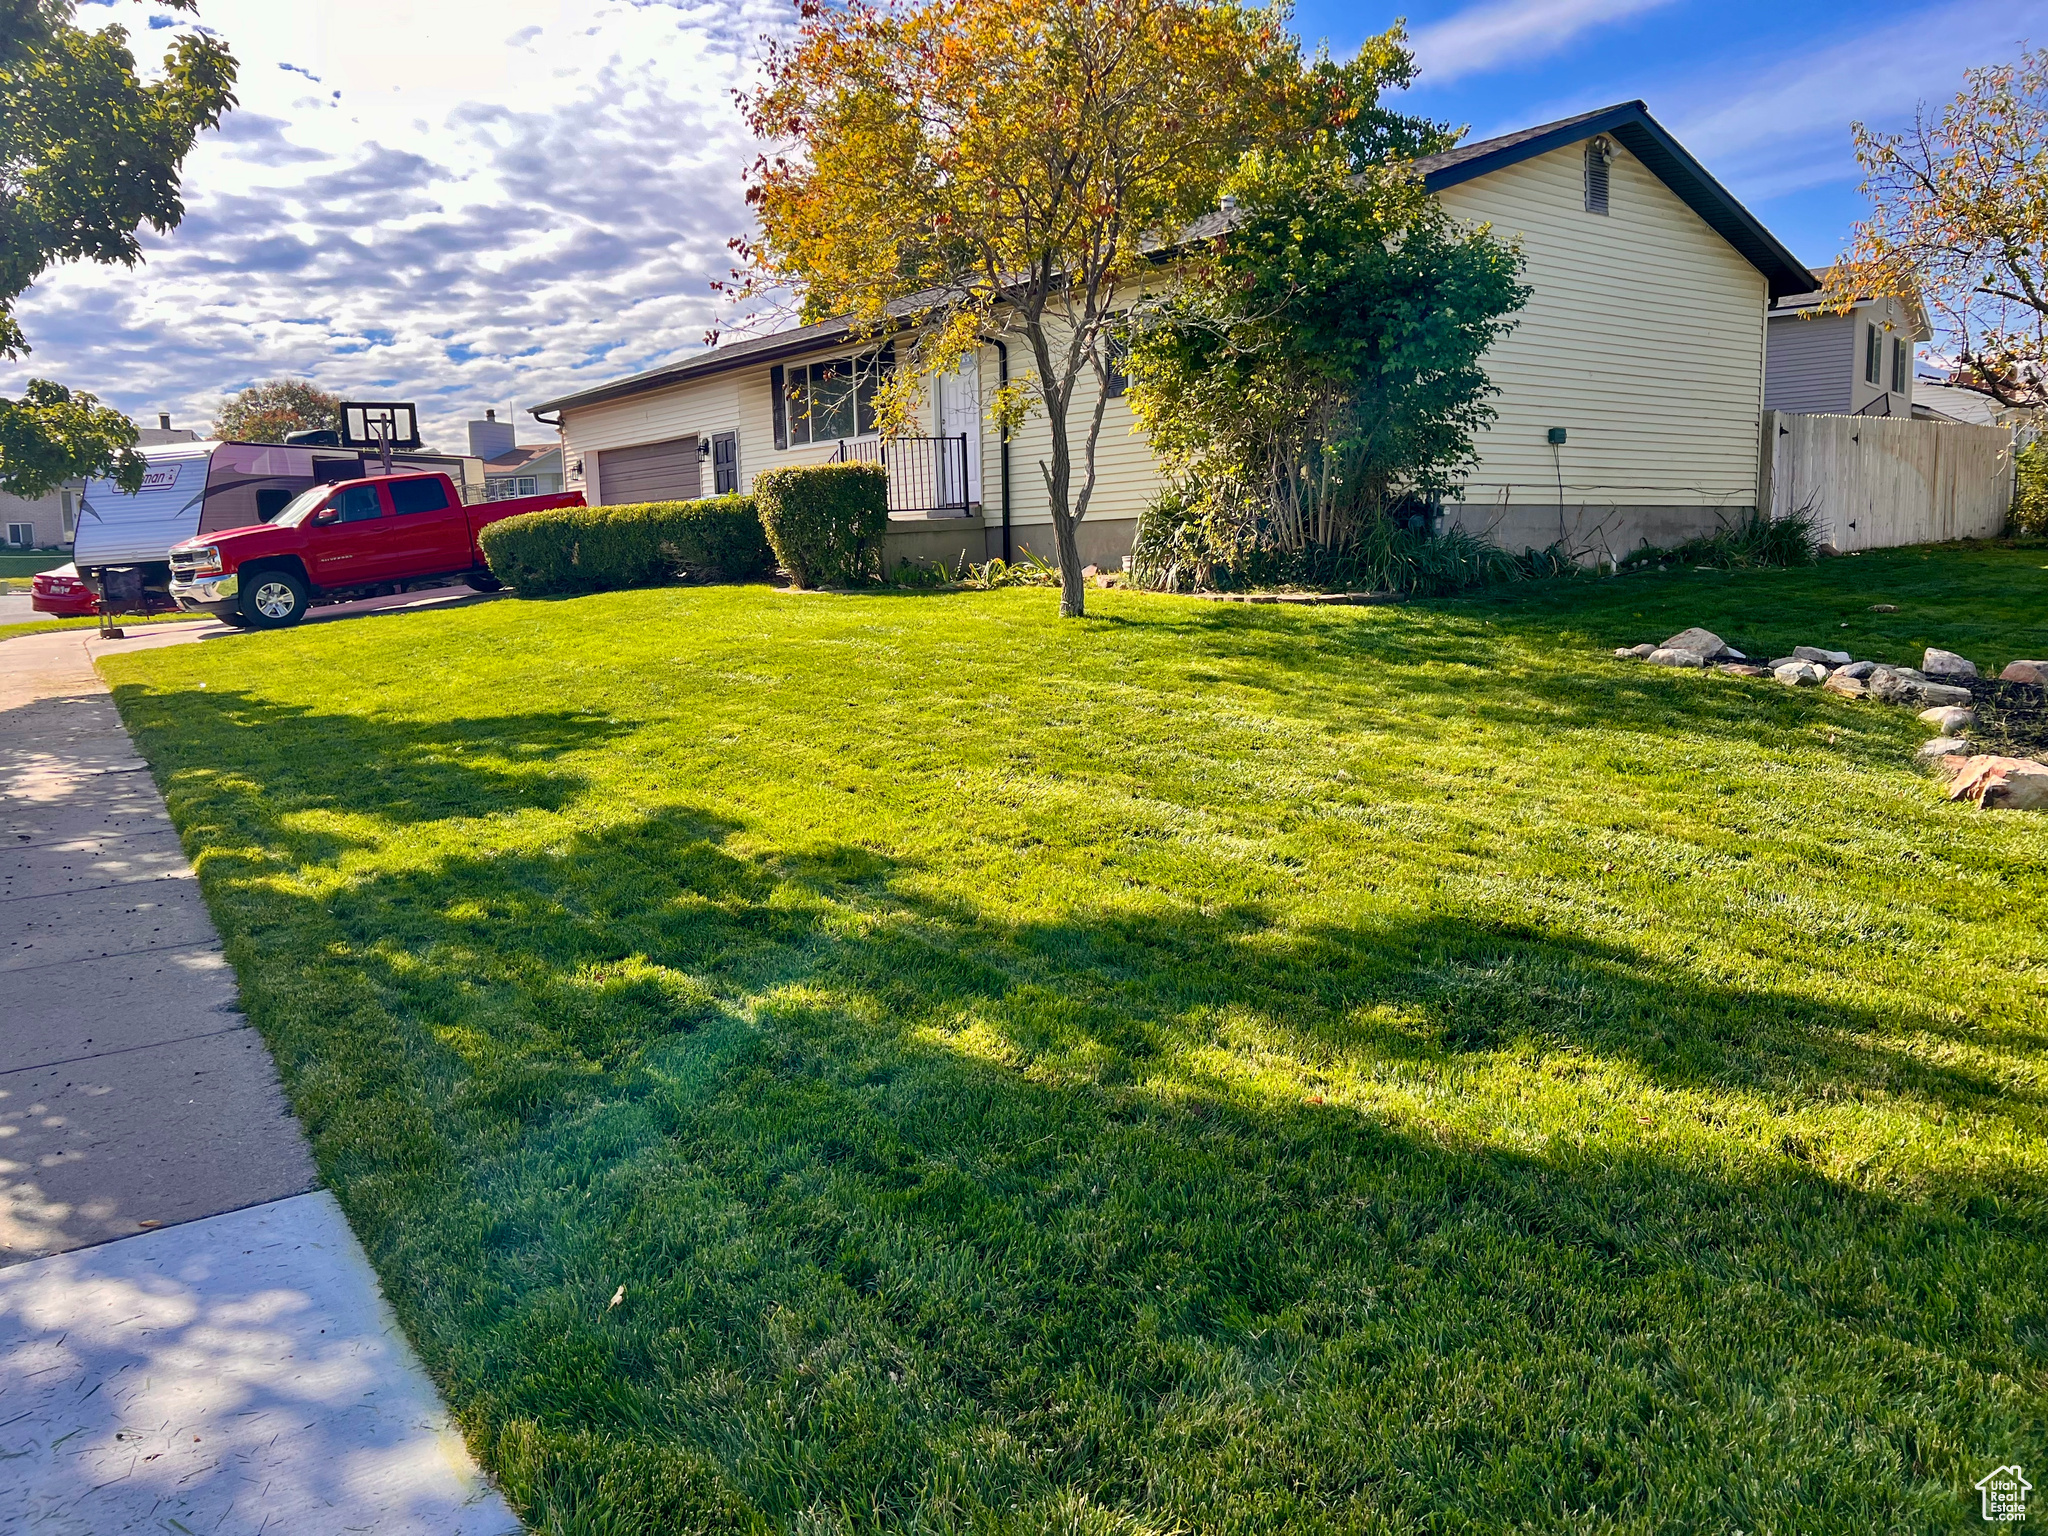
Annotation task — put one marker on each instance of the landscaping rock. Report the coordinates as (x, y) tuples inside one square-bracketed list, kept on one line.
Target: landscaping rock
[(1703, 642), (2035, 672), (1800, 674), (1884, 607), (1949, 719), (1743, 669), (1642, 651), (1825, 658), (2002, 783), (1665, 656), (1939, 663), (1848, 687), (1902, 685), (1941, 747), (1860, 670)]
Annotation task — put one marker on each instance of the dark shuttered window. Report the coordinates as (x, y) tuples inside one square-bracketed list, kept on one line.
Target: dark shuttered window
[(1596, 176)]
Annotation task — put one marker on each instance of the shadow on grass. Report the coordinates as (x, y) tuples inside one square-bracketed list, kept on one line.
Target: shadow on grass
[(925, 1215)]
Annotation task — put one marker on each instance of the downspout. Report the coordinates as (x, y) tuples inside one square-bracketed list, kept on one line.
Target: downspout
[(1003, 382)]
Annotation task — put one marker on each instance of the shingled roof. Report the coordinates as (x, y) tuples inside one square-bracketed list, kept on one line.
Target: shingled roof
[(1629, 123)]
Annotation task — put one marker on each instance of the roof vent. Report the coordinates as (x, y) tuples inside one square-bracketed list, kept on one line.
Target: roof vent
[(1227, 202), (1598, 153)]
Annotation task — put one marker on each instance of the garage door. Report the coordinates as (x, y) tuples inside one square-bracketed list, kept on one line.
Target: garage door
[(650, 472)]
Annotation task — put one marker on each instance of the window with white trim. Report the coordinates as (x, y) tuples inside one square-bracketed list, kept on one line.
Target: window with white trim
[(1902, 366), (1873, 355)]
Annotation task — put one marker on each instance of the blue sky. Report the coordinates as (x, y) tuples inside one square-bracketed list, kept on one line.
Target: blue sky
[(475, 203), (1763, 91)]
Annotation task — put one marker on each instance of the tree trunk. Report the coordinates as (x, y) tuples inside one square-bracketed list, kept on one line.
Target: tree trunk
[(1073, 589), (1059, 474)]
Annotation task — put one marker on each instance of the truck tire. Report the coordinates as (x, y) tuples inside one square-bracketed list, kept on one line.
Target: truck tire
[(274, 599), (482, 581)]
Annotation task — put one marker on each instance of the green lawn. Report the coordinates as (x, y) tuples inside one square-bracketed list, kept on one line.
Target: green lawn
[(1205, 1068), (25, 563)]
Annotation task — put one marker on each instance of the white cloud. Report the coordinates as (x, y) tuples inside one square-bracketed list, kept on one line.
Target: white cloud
[(481, 202), (1504, 32), (1788, 130)]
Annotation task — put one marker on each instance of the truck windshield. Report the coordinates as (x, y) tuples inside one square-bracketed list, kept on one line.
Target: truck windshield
[(301, 506)]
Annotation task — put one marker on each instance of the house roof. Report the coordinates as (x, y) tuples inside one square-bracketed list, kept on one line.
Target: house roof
[(1803, 303), (1628, 122), (519, 458), (734, 354)]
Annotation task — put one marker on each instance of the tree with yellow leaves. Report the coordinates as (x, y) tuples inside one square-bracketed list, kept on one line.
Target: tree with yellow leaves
[(1960, 217), (964, 169)]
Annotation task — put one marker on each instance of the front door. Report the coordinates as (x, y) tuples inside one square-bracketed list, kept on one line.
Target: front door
[(960, 416)]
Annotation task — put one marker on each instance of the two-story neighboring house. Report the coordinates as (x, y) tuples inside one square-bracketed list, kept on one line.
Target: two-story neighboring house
[(1842, 362), (1628, 393)]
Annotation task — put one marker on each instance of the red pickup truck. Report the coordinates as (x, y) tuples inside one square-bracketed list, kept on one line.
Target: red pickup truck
[(353, 539)]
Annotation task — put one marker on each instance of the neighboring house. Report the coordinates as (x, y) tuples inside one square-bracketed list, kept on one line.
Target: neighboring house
[(163, 432), (1643, 340), (1853, 362), (1972, 407), (532, 470), (44, 523), (509, 469)]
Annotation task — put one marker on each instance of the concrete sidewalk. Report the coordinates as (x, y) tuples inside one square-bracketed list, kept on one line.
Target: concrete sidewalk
[(135, 1099)]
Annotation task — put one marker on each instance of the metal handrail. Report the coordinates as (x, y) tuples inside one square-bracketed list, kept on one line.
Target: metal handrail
[(927, 475)]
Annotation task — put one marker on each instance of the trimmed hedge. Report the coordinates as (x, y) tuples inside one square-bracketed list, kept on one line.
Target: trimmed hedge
[(826, 521), (604, 549)]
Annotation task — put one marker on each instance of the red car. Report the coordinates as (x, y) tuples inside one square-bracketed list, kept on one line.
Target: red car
[(63, 595), (390, 533)]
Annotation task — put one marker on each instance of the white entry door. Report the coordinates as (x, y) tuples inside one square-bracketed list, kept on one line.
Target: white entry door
[(960, 415)]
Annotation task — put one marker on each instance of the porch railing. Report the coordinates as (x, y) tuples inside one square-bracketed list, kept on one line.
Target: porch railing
[(927, 475)]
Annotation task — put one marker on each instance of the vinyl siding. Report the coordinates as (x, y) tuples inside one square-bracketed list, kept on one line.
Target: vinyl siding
[(1643, 338), (1812, 360)]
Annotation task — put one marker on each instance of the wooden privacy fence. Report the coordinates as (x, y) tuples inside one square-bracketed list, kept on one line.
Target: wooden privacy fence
[(1871, 482)]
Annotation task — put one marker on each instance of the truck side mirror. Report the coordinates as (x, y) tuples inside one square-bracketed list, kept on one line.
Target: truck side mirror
[(327, 514)]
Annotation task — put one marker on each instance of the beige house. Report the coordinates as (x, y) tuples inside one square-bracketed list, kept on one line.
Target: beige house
[(1853, 362), (1630, 390)]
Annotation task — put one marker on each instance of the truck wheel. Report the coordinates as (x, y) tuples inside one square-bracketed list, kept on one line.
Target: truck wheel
[(274, 600), (482, 581)]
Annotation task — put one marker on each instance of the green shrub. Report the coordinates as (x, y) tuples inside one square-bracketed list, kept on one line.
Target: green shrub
[(1180, 547), (2029, 518), (604, 549), (1753, 541), (826, 521)]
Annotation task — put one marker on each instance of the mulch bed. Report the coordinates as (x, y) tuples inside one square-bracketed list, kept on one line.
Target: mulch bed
[(2012, 718)]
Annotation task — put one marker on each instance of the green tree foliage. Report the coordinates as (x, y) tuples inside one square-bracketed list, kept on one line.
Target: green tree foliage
[(1322, 363), (1014, 168), (89, 152), (53, 434), (264, 413)]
